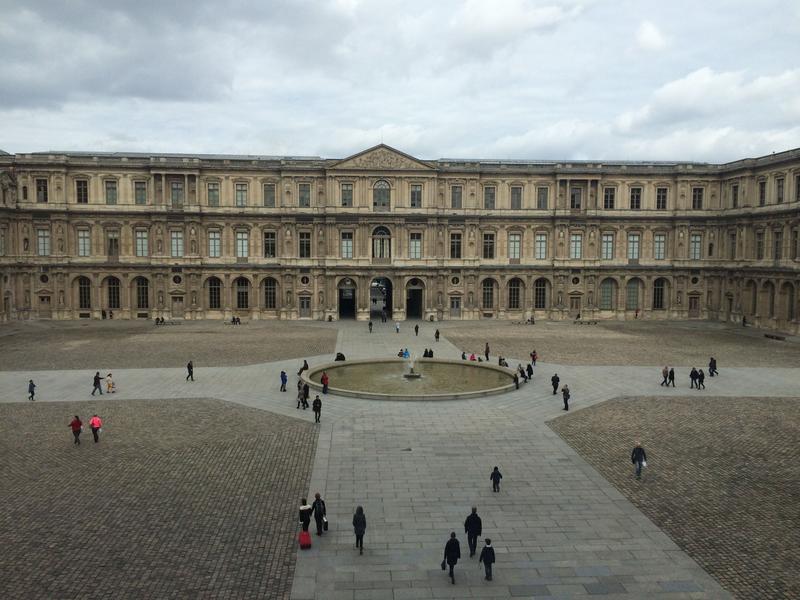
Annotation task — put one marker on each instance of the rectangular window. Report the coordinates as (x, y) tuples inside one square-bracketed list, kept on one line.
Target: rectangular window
[(304, 195), (214, 244), (762, 193), (661, 198), (41, 190), (514, 246), (489, 193), (695, 246), (455, 245), (347, 194), (269, 195), (540, 246), (792, 251), (347, 244), (415, 245), (488, 245), (111, 192), (660, 246), (112, 239), (416, 196), (270, 244), (84, 242), (516, 197), (455, 197), (176, 194), (779, 190), (542, 194), (43, 242), (82, 191), (734, 196), (759, 245), (240, 194), (607, 246), (636, 198), (305, 244), (142, 247), (697, 198), (777, 243), (140, 192), (176, 243), (2, 242), (797, 188), (242, 244), (609, 196), (633, 246), (213, 193), (732, 246), (576, 245), (575, 198)]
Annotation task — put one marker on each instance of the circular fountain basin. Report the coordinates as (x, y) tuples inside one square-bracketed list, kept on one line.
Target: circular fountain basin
[(386, 379)]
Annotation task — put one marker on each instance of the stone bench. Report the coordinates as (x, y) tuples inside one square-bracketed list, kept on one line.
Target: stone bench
[(774, 336)]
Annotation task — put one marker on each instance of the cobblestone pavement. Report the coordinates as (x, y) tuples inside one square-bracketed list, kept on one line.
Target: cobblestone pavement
[(137, 344), (722, 479), (182, 499)]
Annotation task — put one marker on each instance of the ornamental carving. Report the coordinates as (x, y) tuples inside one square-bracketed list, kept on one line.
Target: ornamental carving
[(381, 158)]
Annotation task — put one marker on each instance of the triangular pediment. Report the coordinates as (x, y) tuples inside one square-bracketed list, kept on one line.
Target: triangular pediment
[(381, 157)]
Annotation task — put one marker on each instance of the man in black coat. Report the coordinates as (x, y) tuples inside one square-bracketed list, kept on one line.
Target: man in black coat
[(639, 459), (529, 371), (473, 528), (671, 377), (487, 558), (693, 378), (318, 512), (555, 381), (452, 552)]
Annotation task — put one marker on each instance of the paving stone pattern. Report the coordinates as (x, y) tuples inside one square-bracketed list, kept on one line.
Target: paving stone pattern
[(182, 499), (723, 479)]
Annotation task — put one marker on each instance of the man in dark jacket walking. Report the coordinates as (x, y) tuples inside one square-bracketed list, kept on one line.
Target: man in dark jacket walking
[(639, 459), (671, 378), (190, 371), (317, 406), (693, 378), (712, 367), (565, 393), (473, 528), (452, 552), (96, 386), (665, 375), (487, 558), (701, 377), (555, 381), (496, 476), (318, 511)]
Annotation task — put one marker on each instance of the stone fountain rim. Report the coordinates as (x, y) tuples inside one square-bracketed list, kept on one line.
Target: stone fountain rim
[(307, 375)]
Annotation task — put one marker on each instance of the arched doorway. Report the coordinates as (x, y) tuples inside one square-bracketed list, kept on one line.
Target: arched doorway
[(415, 295), (380, 298), (347, 298)]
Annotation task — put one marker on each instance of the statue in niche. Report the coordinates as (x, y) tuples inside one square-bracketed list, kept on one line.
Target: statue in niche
[(194, 246), (469, 299), (591, 299), (61, 245), (25, 244), (194, 298), (27, 298), (160, 299), (61, 298), (321, 299), (560, 300), (158, 247)]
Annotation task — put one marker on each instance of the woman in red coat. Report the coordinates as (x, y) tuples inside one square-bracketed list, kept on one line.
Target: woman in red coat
[(324, 380), (77, 426)]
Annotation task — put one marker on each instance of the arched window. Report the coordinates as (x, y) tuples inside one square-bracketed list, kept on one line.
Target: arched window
[(752, 296), (381, 243), (84, 292), (242, 293), (608, 294), (142, 293), (488, 293), (540, 294), (770, 294), (660, 294), (515, 294), (113, 292), (270, 293), (214, 293), (632, 294), (380, 195)]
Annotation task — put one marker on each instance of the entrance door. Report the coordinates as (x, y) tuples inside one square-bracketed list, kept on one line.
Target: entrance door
[(575, 305), (305, 307), (45, 312), (347, 303), (455, 307), (177, 307), (414, 304), (694, 306)]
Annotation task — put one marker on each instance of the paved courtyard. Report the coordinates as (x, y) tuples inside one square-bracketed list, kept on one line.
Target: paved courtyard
[(560, 528)]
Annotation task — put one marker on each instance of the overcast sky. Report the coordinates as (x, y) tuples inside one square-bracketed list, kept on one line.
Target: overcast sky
[(679, 79)]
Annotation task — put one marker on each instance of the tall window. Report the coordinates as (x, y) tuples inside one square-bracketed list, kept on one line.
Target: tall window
[(176, 194), (142, 247), (697, 198), (633, 246), (607, 246), (214, 243), (240, 194), (380, 196), (270, 244), (609, 197), (415, 245), (489, 195), (695, 246), (632, 295), (542, 194), (43, 242), (381, 243), (734, 196), (242, 293), (792, 251), (112, 241), (488, 246), (140, 192), (515, 294), (759, 245), (269, 195), (661, 198), (270, 293), (607, 294), (305, 244), (347, 194), (41, 190), (797, 188), (660, 246), (732, 245), (213, 193), (540, 246), (576, 245), (2, 242), (516, 197), (636, 198), (84, 293), (762, 193), (659, 294), (488, 293), (242, 244), (540, 294), (84, 242), (304, 195), (455, 197), (82, 191), (455, 245), (113, 292), (779, 190), (575, 197), (416, 196), (347, 244), (777, 243), (515, 246), (142, 293), (214, 296), (111, 191), (176, 243)]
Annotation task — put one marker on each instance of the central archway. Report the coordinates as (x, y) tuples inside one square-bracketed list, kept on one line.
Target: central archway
[(380, 298), (415, 294), (347, 298)]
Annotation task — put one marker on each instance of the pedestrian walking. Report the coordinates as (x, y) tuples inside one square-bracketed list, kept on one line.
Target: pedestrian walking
[(665, 376), (359, 527), (299, 397), (473, 528), (534, 357), (305, 514), (110, 388), (436, 335), (31, 390), (416, 330), (701, 377), (565, 393), (76, 425), (516, 380), (190, 371), (319, 513), (529, 371), (554, 380), (639, 459), (486, 351), (284, 380), (303, 368), (452, 552), (693, 379), (370, 326), (496, 476), (324, 380), (397, 326), (306, 393), (95, 423), (712, 367), (96, 386), (671, 377), (487, 558), (317, 406)]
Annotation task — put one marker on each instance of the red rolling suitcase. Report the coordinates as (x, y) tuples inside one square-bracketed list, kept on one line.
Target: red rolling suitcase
[(305, 540)]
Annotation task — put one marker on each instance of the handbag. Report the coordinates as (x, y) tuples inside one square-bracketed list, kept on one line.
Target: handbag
[(444, 568), (325, 523), (644, 463)]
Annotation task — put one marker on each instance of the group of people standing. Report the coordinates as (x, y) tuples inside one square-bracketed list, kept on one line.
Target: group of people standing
[(319, 512)]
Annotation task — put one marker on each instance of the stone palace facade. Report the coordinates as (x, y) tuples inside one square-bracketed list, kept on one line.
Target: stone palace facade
[(139, 236)]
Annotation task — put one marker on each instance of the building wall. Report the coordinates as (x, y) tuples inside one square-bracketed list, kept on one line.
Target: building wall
[(682, 240)]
